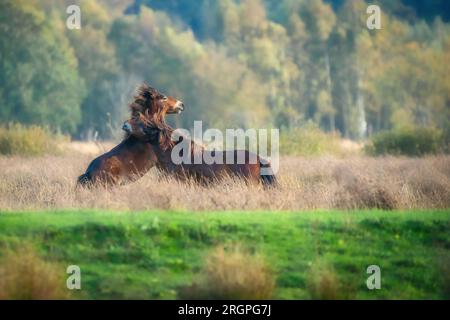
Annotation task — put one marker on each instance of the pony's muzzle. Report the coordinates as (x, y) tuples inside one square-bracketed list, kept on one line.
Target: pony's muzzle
[(179, 106)]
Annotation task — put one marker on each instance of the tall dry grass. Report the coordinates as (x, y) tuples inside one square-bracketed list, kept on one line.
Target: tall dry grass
[(323, 283), (48, 182), (231, 273), (26, 276)]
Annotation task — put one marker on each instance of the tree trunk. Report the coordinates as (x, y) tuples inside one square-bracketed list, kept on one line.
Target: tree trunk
[(332, 114)]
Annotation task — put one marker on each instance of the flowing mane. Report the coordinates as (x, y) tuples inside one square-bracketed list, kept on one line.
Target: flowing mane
[(166, 131), (142, 100)]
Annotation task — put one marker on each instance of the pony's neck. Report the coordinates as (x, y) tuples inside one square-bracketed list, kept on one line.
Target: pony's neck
[(165, 146)]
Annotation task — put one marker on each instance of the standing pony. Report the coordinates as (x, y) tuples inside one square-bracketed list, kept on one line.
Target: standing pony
[(159, 135), (131, 158)]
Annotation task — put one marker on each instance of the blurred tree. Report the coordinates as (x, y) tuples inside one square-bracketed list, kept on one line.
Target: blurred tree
[(174, 61), (233, 62), (100, 70), (39, 80)]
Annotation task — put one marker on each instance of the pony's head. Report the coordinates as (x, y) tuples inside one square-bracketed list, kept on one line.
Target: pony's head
[(149, 130), (153, 104)]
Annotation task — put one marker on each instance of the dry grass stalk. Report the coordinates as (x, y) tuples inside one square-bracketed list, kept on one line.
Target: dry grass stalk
[(232, 274), (25, 276), (305, 183)]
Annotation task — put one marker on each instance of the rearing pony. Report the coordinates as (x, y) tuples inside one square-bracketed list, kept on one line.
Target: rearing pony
[(159, 135), (131, 158)]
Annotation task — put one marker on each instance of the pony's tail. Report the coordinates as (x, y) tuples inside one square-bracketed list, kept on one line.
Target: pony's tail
[(84, 180), (268, 180)]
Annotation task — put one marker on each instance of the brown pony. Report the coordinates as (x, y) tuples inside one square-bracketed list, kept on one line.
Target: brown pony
[(132, 158), (159, 135)]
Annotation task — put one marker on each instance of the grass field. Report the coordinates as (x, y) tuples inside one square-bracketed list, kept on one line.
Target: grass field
[(156, 254), (305, 183), (313, 236)]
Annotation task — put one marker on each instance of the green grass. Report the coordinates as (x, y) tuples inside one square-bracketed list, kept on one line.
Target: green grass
[(151, 254)]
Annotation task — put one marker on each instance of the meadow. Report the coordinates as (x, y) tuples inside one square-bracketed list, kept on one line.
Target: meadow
[(238, 254), (325, 182), (312, 237)]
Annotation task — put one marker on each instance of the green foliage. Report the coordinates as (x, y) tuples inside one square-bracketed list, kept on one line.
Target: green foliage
[(249, 63), (309, 140), (39, 81), (124, 256), (196, 73), (410, 142), (99, 69), (16, 139)]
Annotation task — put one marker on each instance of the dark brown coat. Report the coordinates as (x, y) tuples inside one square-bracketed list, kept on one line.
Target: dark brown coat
[(159, 135), (132, 158)]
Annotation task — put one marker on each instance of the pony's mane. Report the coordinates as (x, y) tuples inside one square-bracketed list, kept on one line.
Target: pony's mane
[(165, 137), (142, 99), (166, 132)]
